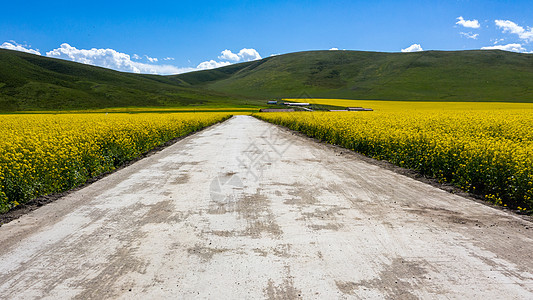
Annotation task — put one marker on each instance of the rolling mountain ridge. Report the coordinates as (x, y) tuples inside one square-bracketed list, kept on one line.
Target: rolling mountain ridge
[(477, 75), (32, 82)]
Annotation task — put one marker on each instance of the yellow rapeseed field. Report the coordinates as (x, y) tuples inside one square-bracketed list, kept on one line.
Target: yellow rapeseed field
[(483, 148), (46, 153)]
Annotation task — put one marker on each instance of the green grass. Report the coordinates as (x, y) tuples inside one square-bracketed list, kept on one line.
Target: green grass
[(30, 82), (478, 75), (35, 83)]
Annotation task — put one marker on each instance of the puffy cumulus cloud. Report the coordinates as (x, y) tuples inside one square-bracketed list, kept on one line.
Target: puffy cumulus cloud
[(228, 55), (17, 47), (249, 54), (112, 59), (469, 35), (107, 58), (151, 59), (158, 69), (162, 69), (244, 55), (413, 48), (508, 47), (512, 27), (212, 64), (468, 23)]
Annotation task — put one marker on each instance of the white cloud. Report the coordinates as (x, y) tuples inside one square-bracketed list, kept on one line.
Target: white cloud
[(508, 47), (249, 54), (107, 58), (17, 47), (468, 23), (228, 55), (244, 55), (212, 64), (112, 59), (333, 49), (151, 59), (512, 27), (469, 35), (413, 48)]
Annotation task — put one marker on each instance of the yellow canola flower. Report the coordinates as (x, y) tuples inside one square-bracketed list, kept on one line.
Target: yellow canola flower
[(46, 153), (484, 148)]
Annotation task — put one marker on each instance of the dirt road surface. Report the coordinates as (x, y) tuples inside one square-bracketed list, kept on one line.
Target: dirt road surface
[(247, 210)]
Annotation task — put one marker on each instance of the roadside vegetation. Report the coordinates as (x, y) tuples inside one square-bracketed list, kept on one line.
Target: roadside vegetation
[(46, 153), (482, 148), (55, 132)]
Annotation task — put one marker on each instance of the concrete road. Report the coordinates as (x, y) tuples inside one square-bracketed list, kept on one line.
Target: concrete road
[(247, 210)]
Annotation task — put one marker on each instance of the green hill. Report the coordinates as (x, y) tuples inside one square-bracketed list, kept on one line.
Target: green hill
[(478, 75), (32, 82)]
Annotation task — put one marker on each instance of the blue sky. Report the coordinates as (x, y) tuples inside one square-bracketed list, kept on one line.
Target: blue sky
[(190, 35)]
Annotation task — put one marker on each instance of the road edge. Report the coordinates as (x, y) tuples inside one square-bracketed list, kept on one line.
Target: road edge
[(34, 204), (410, 173)]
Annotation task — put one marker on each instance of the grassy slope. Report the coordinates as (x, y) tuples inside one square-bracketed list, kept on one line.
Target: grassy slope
[(31, 82), (480, 75)]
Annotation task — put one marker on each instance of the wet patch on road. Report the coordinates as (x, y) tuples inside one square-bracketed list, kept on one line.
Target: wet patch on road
[(104, 285), (284, 290), (181, 179), (205, 253), (396, 281)]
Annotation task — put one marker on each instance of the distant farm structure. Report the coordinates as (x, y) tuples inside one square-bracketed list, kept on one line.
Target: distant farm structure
[(299, 106), (358, 109), (296, 104), (276, 110)]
